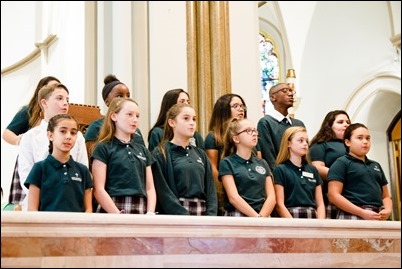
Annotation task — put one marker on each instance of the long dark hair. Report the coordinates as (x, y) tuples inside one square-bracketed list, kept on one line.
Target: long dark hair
[(168, 100), (221, 114), (326, 133)]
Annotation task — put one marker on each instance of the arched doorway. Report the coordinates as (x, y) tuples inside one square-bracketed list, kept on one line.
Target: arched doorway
[(377, 104)]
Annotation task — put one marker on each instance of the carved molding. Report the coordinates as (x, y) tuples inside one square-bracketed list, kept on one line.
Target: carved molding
[(47, 42), (396, 40)]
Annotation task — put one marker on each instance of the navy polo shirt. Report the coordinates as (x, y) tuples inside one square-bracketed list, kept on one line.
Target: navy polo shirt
[(126, 167), (362, 180), (20, 123), (62, 185), (299, 183), (249, 176), (327, 152)]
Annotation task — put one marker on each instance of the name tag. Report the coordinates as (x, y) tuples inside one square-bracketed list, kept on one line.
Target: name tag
[(307, 174)]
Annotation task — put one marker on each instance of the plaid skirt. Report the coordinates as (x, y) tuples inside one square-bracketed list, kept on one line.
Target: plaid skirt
[(195, 206), (331, 211), (235, 213), (17, 194), (346, 215), (130, 204), (303, 212)]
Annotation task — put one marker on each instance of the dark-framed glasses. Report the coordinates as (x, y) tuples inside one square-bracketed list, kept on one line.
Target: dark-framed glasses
[(249, 131), (238, 106), (285, 91)]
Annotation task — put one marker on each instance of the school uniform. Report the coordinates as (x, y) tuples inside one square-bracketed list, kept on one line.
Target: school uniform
[(18, 125), (156, 135), (62, 185), (249, 176), (183, 181), (327, 152), (34, 147), (362, 182), (94, 128), (271, 128), (299, 185), (126, 172), (210, 144), (20, 122)]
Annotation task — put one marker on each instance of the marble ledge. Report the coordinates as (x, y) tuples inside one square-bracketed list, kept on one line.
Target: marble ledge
[(56, 224)]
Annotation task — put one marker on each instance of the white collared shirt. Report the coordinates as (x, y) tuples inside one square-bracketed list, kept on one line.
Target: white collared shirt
[(278, 116)]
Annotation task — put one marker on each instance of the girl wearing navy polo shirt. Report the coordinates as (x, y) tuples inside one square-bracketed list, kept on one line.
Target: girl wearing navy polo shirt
[(246, 178), (297, 182), (327, 146), (58, 183), (182, 172), (357, 185), (121, 167)]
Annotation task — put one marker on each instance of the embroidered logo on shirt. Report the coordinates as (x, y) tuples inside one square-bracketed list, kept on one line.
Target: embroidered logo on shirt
[(261, 170), (376, 168), (139, 156), (76, 178), (192, 142), (199, 160)]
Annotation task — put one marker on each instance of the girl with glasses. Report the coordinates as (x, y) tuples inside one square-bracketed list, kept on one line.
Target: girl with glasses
[(246, 178), (228, 106)]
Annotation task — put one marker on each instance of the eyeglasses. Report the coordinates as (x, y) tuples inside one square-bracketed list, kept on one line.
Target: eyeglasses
[(238, 106), (249, 131), (285, 91)]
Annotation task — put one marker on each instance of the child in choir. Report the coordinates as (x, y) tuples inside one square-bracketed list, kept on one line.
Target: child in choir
[(227, 107), (357, 185), (123, 181), (170, 98), (182, 172), (297, 183), (113, 88), (327, 146), (34, 145), (27, 117), (58, 183), (246, 178)]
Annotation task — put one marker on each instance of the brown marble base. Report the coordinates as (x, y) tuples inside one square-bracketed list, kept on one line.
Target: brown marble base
[(43, 239)]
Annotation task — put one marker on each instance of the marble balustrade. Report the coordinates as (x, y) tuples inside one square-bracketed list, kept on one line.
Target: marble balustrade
[(48, 239)]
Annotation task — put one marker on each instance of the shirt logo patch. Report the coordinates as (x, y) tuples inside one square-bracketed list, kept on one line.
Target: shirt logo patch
[(199, 160), (139, 156), (376, 169), (260, 170), (76, 178)]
